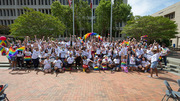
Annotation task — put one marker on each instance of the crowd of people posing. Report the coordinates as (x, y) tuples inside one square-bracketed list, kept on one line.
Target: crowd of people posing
[(60, 55)]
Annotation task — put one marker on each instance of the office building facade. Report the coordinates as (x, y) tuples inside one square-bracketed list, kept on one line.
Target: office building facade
[(172, 12)]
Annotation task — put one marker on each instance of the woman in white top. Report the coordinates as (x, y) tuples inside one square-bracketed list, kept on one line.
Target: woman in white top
[(58, 65), (47, 65)]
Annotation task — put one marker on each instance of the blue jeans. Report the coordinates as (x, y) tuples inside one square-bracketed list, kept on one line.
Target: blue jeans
[(165, 60)]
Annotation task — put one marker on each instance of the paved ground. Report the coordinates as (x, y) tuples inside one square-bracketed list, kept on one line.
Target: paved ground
[(29, 86)]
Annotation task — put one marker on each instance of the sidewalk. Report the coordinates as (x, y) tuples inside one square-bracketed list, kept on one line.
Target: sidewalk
[(3, 58)]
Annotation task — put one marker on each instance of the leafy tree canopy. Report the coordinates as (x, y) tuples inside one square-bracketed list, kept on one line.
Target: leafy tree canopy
[(157, 28), (36, 23)]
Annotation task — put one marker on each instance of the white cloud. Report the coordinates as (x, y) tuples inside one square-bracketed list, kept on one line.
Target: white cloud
[(148, 7)]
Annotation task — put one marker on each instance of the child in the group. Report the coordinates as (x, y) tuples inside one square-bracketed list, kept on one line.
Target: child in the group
[(117, 64), (145, 64), (47, 65), (124, 64), (20, 60), (27, 57), (58, 65), (132, 63)]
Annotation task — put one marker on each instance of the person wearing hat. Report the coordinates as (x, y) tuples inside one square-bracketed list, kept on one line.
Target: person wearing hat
[(154, 60)]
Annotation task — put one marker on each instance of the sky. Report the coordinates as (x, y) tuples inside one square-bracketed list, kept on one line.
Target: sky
[(148, 7)]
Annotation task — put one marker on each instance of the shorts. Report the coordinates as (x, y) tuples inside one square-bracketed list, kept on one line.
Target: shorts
[(132, 65), (70, 65), (154, 64), (13, 59)]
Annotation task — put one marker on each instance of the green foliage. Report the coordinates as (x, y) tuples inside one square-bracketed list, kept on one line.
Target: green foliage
[(157, 28), (103, 12), (82, 15), (36, 23), (121, 12), (64, 14), (4, 30)]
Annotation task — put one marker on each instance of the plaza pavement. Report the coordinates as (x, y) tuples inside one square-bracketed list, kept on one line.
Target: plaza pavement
[(95, 86)]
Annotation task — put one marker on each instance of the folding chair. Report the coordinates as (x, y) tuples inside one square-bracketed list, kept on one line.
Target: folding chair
[(169, 92), (178, 81), (3, 96)]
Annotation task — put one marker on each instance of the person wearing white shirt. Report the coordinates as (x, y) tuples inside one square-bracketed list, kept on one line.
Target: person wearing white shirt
[(20, 60), (164, 53), (117, 64), (154, 60), (35, 57), (145, 64), (58, 65), (70, 61), (47, 65)]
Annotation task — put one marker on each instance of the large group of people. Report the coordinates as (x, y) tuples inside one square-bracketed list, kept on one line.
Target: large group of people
[(92, 54)]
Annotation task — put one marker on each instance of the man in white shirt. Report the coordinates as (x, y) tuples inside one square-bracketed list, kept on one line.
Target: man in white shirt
[(164, 53), (35, 57), (70, 61)]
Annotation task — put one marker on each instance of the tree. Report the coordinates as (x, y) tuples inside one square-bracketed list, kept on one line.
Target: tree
[(121, 13), (36, 23), (64, 14), (83, 13), (4, 30), (103, 16), (157, 28)]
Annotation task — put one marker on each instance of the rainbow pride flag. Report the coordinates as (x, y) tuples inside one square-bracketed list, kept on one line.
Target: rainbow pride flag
[(27, 58), (13, 52), (123, 63), (104, 67), (96, 68), (160, 58)]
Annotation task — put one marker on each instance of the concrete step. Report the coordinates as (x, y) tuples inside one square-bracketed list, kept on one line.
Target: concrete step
[(173, 66), (173, 70), (4, 62), (174, 61), (4, 65)]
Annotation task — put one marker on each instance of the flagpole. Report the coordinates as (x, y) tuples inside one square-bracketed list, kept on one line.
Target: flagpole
[(111, 23), (92, 17), (73, 21)]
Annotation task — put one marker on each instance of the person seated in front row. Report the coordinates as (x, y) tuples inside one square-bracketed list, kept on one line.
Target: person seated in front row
[(145, 64), (58, 65), (86, 63), (70, 61), (47, 65), (117, 64)]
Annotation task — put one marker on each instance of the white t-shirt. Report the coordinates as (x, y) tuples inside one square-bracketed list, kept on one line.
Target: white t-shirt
[(20, 55), (164, 51), (63, 53), (116, 61), (70, 60), (47, 64), (27, 53), (57, 63), (145, 63), (155, 57), (132, 60), (35, 54), (86, 61), (98, 51)]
